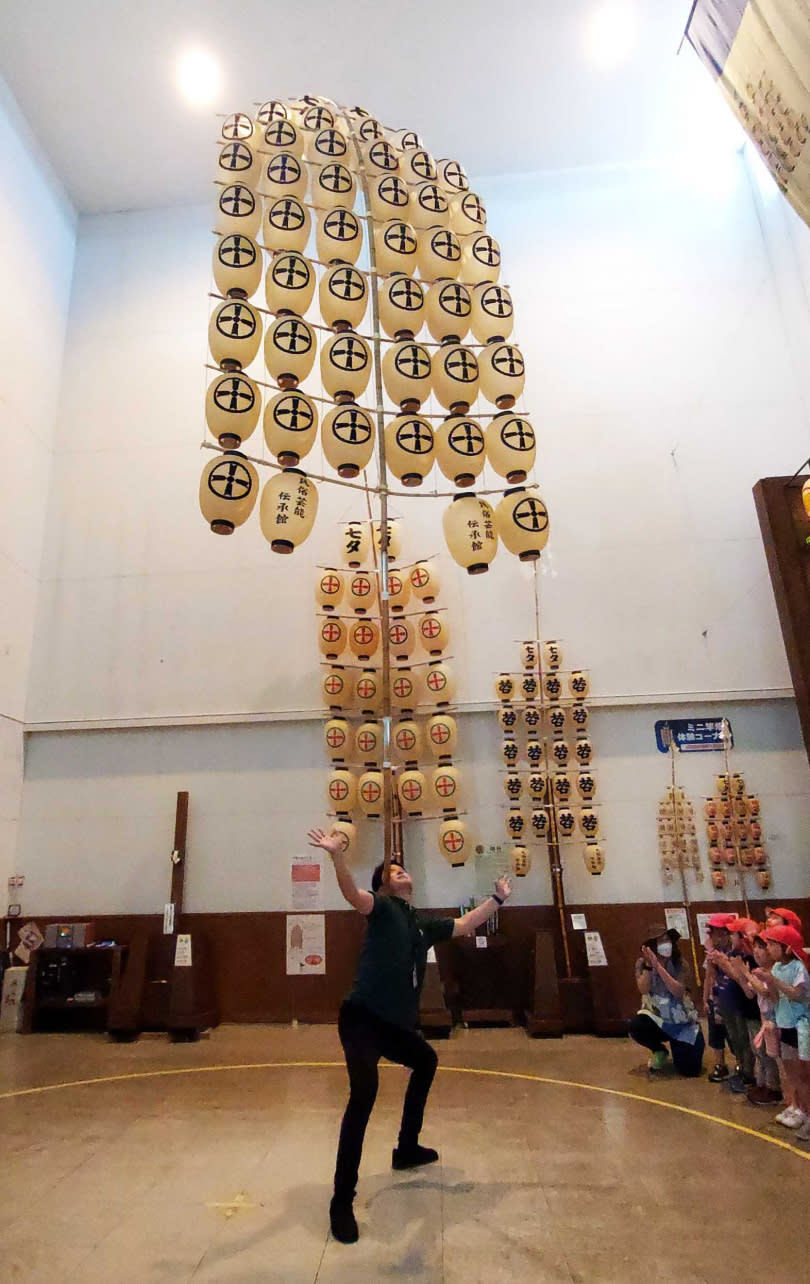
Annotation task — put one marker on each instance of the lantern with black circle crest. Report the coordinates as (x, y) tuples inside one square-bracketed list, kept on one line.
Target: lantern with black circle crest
[(283, 175), (395, 247), (347, 437), (388, 197), (282, 136), (412, 791), (345, 366), (355, 543), (521, 519), (503, 373), (447, 310), (409, 448), (289, 283), (238, 162), (343, 296), (331, 636), (370, 129), (342, 790), (333, 187), (364, 638), (238, 210), (433, 632), (237, 127), (393, 538), (368, 691), (521, 861), (289, 350), (428, 207), (513, 786), (327, 145), (439, 254), (361, 592), (228, 489), (492, 314), (399, 590), (445, 789), (403, 690), (336, 691), (469, 532), (406, 742), (290, 427), (460, 450), (401, 638), (467, 214), (579, 685), (289, 506), (379, 157), (511, 446), (330, 588), (401, 305), (316, 117), (539, 823), (232, 406), (451, 176), (480, 259), (417, 166), (439, 684), (595, 861), (286, 224), (370, 793), (406, 139), (406, 371), (338, 236), (455, 377), (368, 743), (234, 334), (273, 109), (508, 719), (586, 786), (442, 736), (454, 842), (337, 735), (424, 579)]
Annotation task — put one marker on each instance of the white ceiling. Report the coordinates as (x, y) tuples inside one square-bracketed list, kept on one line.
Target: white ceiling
[(503, 87)]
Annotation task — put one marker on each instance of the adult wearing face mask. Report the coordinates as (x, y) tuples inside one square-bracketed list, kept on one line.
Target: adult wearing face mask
[(667, 1014)]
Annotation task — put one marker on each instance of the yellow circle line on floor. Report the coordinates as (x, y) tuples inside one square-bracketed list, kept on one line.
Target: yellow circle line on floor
[(339, 1065)]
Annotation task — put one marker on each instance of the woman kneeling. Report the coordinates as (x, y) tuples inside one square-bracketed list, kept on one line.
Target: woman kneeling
[(667, 1014)]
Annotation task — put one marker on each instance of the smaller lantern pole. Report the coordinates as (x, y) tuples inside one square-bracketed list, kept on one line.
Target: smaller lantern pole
[(681, 853), (738, 865)]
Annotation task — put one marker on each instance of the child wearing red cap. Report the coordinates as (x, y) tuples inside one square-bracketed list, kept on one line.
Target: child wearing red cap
[(727, 1007), (789, 985), (768, 1089), (781, 917)]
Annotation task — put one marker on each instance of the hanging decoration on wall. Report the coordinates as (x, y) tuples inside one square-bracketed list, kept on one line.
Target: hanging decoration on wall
[(677, 835), (734, 833)]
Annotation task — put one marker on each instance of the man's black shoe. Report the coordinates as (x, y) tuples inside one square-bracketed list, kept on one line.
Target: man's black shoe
[(413, 1157), (343, 1221)]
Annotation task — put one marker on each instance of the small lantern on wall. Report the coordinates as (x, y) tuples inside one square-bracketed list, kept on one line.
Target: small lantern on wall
[(229, 487)]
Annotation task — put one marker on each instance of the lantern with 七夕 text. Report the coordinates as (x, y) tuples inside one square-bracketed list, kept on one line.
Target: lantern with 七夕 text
[(355, 543)]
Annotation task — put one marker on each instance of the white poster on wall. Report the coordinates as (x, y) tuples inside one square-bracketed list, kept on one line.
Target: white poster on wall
[(306, 944), (703, 927), (595, 950), (306, 887), (679, 919)]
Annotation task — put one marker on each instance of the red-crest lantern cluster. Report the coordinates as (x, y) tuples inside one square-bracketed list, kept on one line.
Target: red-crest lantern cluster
[(734, 833)]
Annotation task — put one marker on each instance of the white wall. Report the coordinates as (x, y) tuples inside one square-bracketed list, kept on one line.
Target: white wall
[(37, 231)]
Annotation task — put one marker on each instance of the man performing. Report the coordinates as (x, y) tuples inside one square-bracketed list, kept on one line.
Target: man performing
[(380, 1015)]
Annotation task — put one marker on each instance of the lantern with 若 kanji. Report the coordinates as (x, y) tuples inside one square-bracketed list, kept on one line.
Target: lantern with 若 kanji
[(288, 509), (537, 786), (469, 531), (586, 785), (578, 684), (513, 786), (589, 822), (515, 823), (290, 426), (347, 437), (508, 719), (229, 487), (539, 823), (566, 822), (454, 843), (505, 686), (232, 406)]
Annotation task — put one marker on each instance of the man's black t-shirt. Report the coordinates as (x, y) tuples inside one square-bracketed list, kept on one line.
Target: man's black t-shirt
[(392, 962)]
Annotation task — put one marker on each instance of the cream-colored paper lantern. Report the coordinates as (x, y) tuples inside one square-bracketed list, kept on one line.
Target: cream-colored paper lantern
[(290, 427), (405, 139), (537, 785), (412, 791), (445, 789), (439, 683), (328, 145), (521, 861), (228, 489), (589, 822), (336, 690), (513, 786), (345, 366), (347, 437), (529, 654), (355, 543), (448, 310), (333, 187), (337, 735), (425, 582), (578, 684), (534, 754), (347, 833), (583, 752), (234, 334), (401, 638), (510, 753), (417, 166), (531, 718), (368, 743), (273, 109), (338, 236), (286, 224), (406, 371), (361, 591), (399, 590), (343, 296), (515, 824), (552, 652), (460, 451), (503, 373), (806, 496), (454, 842), (370, 793), (511, 446), (406, 742), (368, 691), (560, 753), (404, 690), (232, 407), (332, 636), (364, 638), (329, 589), (283, 174), (566, 822), (402, 306), (239, 210), (492, 313), (433, 632), (388, 197), (442, 736), (289, 350), (539, 824), (595, 861), (289, 284), (530, 689), (394, 538), (557, 721), (469, 532), (429, 207), (505, 686), (396, 247), (288, 510), (521, 519), (451, 176), (282, 136), (238, 126), (342, 790), (455, 377), (238, 163), (508, 719), (409, 448), (467, 214), (370, 128), (580, 718), (438, 255), (380, 157), (480, 259), (317, 116)]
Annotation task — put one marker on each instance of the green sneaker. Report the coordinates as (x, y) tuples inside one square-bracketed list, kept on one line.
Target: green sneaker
[(658, 1060)]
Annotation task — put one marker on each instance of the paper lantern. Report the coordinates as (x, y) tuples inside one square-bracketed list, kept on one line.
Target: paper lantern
[(406, 374), (429, 207), (552, 686), (412, 791), (469, 532), (394, 540), (338, 236), (368, 691), (345, 366), (402, 638), (586, 785), (719, 879), (406, 139), (537, 785), (335, 688), (510, 754), (399, 590), (579, 684), (370, 793), (589, 822), (355, 543), (515, 823), (388, 197), (337, 736), (238, 210), (451, 176), (583, 751), (228, 489), (347, 832), (552, 653), (283, 175), (332, 636), (404, 694), (290, 426), (467, 214), (806, 496), (521, 861), (566, 822), (503, 373), (508, 718), (379, 157), (529, 686), (343, 296), (238, 162), (753, 806), (361, 591), (491, 313), (440, 684), (328, 144), (531, 718), (455, 377), (333, 187), (480, 259), (561, 788), (282, 136), (511, 446), (580, 718), (273, 109), (330, 588), (417, 165), (505, 686), (409, 448), (448, 310), (402, 306), (237, 265), (347, 437), (424, 580), (395, 247), (534, 753), (364, 638), (289, 350), (521, 519), (406, 742), (594, 858), (369, 128), (513, 786), (539, 823), (342, 790), (433, 632), (442, 735), (286, 224), (460, 449), (234, 334), (289, 284), (722, 785), (316, 116), (560, 753), (237, 126), (368, 743), (760, 858), (454, 842), (288, 510), (232, 405), (438, 254), (529, 655)]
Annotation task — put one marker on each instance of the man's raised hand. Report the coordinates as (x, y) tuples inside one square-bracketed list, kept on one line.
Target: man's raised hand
[(331, 843)]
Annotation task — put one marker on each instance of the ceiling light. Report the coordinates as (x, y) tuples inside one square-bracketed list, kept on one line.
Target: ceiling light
[(198, 77), (610, 33)]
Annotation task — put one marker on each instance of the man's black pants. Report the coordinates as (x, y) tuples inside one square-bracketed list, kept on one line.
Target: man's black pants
[(366, 1038)]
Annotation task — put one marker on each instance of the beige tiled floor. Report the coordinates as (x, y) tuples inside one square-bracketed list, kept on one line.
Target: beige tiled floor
[(222, 1172)]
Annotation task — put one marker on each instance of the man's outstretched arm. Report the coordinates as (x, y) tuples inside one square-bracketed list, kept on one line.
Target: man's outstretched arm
[(467, 923), (333, 844)]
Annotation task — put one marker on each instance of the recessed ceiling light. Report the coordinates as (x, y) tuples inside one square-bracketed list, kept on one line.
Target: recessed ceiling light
[(611, 30), (198, 77)]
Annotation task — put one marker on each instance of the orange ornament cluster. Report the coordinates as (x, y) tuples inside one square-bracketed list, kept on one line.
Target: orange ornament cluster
[(677, 835), (734, 831)]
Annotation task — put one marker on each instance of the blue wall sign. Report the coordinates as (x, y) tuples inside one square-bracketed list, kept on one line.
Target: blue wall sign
[(691, 735)]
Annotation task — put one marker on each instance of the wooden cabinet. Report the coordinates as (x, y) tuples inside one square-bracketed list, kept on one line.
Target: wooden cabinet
[(70, 989)]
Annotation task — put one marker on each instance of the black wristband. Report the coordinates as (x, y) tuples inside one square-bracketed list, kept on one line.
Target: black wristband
[(497, 899)]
